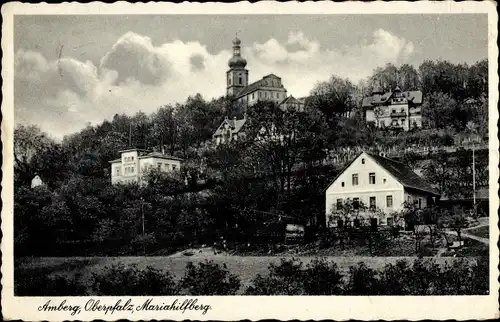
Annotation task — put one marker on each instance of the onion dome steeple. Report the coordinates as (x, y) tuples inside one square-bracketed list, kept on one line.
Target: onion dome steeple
[(237, 61)]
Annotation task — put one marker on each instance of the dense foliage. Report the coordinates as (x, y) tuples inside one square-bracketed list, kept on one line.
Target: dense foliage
[(230, 190), (289, 277)]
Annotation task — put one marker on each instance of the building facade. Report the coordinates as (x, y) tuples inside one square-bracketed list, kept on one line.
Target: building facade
[(395, 109), (382, 185), (268, 88), (134, 165), (229, 131)]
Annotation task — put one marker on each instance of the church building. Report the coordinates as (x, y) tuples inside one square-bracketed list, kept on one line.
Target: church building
[(268, 88)]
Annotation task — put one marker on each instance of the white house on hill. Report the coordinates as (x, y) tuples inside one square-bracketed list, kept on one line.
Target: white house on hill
[(134, 165), (378, 183)]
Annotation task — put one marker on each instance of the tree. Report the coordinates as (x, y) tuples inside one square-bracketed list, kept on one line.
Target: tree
[(29, 141), (335, 99), (455, 220), (278, 139)]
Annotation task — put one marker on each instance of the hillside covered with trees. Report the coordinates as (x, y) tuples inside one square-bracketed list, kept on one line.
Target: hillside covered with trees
[(227, 190)]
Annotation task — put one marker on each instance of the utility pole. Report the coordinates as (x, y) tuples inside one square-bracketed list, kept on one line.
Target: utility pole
[(143, 228), (474, 177)]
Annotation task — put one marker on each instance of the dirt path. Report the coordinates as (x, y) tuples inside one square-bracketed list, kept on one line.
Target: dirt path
[(464, 234)]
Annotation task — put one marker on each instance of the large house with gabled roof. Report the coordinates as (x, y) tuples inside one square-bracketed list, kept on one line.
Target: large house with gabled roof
[(394, 109), (382, 185)]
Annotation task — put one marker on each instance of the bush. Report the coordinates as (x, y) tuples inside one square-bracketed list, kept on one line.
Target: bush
[(283, 279), (394, 278), (119, 279), (209, 279), (32, 284), (480, 276), (425, 275), (362, 280), (322, 278)]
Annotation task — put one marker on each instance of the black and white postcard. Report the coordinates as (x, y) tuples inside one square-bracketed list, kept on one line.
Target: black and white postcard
[(220, 161)]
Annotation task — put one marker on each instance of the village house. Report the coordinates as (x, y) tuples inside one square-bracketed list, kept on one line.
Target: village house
[(382, 185), (394, 109), (269, 88), (134, 165)]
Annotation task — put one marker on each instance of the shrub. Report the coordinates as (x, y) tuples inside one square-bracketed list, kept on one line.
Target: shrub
[(464, 277), (322, 278), (32, 284), (480, 276), (425, 274), (119, 279), (394, 278), (283, 279), (362, 280), (209, 278)]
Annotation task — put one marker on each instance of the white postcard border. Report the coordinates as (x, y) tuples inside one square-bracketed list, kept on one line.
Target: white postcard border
[(253, 307)]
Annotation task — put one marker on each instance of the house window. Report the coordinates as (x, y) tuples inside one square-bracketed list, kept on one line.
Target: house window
[(363, 161), (357, 223), (355, 203), (278, 95), (240, 80), (118, 172), (355, 179), (419, 203), (253, 95), (265, 94), (343, 184), (372, 178), (393, 111), (174, 167), (385, 180), (260, 94), (373, 203), (229, 80), (132, 158), (373, 223), (132, 169), (388, 201), (159, 165), (339, 203), (390, 221)]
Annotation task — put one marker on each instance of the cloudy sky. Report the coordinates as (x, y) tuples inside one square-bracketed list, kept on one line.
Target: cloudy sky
[(71, 70)]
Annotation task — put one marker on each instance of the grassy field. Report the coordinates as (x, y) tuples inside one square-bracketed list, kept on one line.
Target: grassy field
[(245, 267)]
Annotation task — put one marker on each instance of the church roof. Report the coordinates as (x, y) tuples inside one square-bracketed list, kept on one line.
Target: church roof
[(256, 85), (249, 89)]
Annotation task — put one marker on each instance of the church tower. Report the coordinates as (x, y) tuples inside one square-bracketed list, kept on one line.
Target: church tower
[(237, 75)]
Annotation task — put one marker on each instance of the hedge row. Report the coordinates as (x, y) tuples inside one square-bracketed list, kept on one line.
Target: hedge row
[(289, 277)]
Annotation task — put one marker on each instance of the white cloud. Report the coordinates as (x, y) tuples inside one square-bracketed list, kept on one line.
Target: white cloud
[(62, 96)]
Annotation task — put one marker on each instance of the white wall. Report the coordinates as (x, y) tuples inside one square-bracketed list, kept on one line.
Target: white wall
[(385, 185)]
